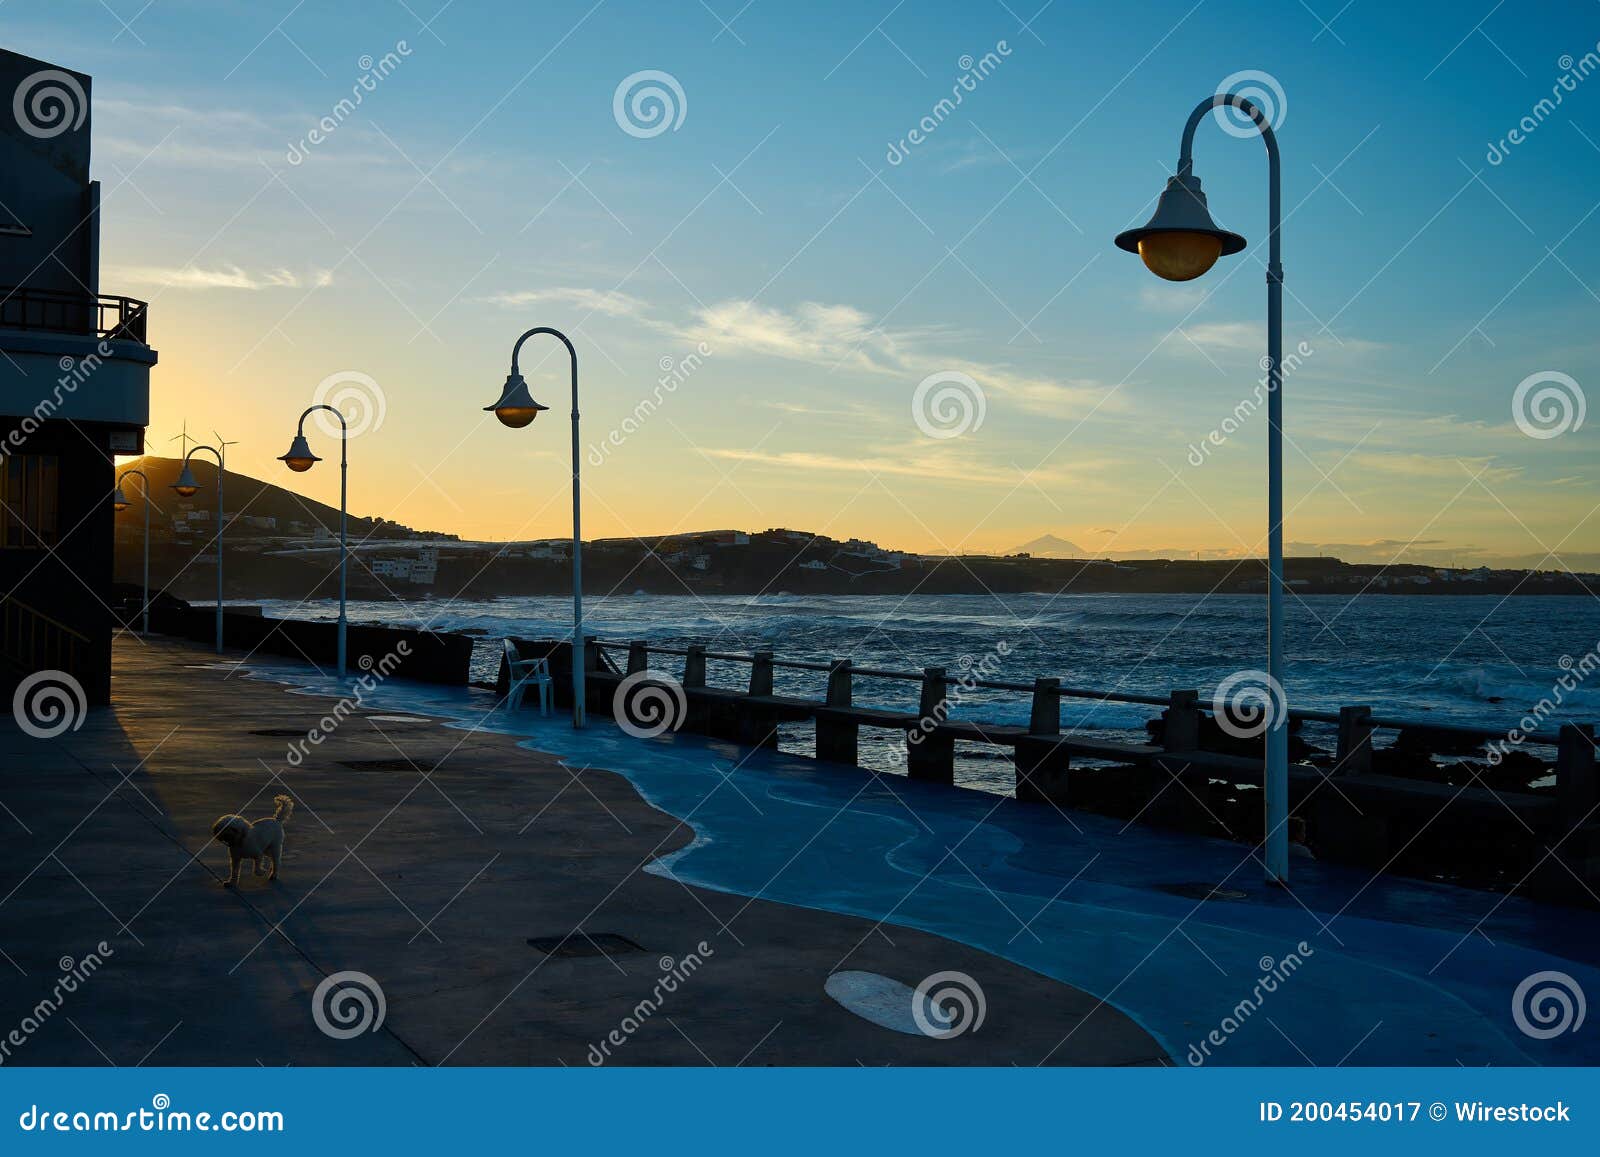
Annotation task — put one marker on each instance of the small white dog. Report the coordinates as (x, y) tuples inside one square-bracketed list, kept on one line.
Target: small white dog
[(262, 840)]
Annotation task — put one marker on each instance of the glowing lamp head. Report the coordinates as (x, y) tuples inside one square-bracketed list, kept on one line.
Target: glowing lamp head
[(1180, 241), (299, 457), (186, 485), (516, 407), (119, 501)]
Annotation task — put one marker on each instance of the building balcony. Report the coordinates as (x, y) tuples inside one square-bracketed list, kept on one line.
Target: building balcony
[(55, 311), (75, 357)]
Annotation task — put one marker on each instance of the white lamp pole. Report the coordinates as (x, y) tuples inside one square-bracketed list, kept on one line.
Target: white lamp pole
[(187, 487), (119, 502), (300, 459), (516, 408), (1179, 243)]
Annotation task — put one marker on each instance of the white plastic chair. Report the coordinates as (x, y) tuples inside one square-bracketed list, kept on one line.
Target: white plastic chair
[(525, 673)]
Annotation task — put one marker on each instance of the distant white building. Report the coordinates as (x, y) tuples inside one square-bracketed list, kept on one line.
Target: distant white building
[(422, 570)]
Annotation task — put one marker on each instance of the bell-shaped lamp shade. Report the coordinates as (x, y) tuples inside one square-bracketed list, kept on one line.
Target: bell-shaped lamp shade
[(119, 500), (299, 458), (186, 486), (1180, 241), (516, 407)]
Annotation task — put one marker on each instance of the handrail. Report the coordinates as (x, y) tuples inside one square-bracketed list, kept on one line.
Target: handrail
[(1388, 723), (108, 316), (30, 638), (38, 614)]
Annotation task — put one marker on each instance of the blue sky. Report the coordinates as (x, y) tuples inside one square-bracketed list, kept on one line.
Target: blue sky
[(485, 185)]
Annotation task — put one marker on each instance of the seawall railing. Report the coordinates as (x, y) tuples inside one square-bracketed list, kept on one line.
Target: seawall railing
[(1364, 803)]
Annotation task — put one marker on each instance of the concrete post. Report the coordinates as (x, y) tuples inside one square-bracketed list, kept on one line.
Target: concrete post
[(837, 738), (1575, 772), (694, 666), (1180, 722), (930, 756), (1045, 718), (761, 673), (638, 657), (758, 726), (1353, 755), (1041, 765)]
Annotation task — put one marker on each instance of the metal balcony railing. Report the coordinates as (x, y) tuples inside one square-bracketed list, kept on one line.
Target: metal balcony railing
[(58, 311)]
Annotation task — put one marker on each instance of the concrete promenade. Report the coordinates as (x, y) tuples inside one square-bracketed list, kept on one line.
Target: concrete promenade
[(427, 865)]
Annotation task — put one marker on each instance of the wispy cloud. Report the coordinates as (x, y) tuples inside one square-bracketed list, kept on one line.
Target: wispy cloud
[(1171, 298), (608, 302), (839, 336), (221, 277), (946, 464)]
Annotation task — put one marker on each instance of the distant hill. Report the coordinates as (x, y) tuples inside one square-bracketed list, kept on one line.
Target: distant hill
[(1049, 546), (242, 494)]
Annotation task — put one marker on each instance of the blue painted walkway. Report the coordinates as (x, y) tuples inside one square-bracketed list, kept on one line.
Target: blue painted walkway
[(1392, 971)]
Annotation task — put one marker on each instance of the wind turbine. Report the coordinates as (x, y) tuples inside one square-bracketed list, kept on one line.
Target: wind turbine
[(184, 435), (222, 464)]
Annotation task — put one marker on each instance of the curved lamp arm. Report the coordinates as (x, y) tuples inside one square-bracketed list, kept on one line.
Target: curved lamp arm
[(215, 453), (1268, 137), (143, 477), (555, 333), (344, 427)]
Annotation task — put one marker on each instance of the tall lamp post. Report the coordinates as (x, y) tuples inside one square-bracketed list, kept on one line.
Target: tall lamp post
[(119, 503), (1179, 243), (187, 487), (300, 459), (516, 408)]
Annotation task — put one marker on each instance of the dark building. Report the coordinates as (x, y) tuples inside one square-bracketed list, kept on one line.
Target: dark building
[(74, 385)]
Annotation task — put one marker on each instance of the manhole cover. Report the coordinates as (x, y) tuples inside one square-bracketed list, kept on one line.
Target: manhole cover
[(389, 764), (1203, 892), (584, 944)]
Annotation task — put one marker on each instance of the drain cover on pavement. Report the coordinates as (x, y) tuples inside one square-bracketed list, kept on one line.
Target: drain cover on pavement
[(1203, 892), (584, 944), (389, 764)]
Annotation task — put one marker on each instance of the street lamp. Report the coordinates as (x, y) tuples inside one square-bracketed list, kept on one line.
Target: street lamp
[(186, 487), (516, 408), (1179, 243), (119, 503), (300, 459)]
